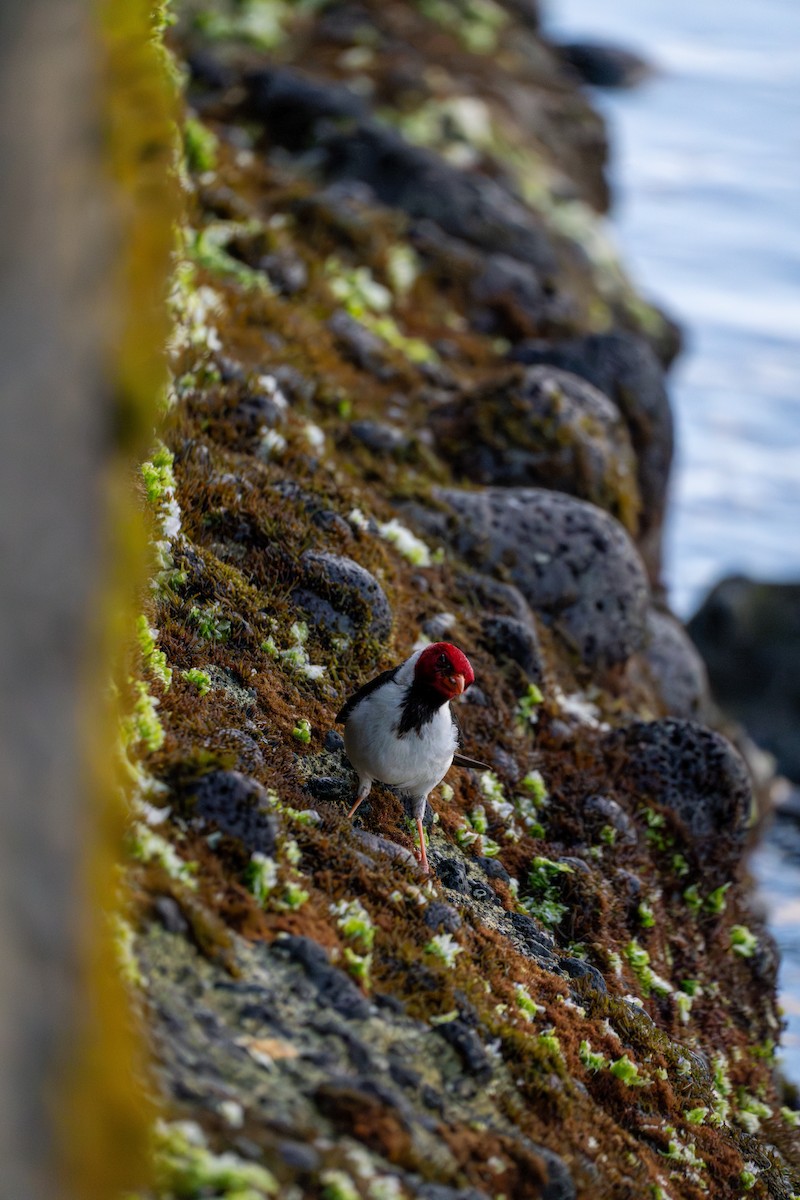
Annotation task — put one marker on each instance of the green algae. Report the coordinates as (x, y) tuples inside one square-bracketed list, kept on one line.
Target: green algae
[(187, 1169), (200, 145), (743, 941), (199, 679), (155, 660)]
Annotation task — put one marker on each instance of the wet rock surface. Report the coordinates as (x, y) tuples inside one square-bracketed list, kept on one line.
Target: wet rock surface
[(602, 64)]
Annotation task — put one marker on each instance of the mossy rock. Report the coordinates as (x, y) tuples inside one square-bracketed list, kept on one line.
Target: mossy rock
[(342, 596), (543, 427)]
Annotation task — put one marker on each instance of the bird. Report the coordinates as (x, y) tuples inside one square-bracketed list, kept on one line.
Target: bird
[(399, 728)]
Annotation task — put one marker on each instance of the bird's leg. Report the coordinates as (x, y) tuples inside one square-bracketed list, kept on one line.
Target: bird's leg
[(363, 792), (422, 856)]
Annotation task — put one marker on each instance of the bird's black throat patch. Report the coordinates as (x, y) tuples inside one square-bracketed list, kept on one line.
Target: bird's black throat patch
[(419, 707)]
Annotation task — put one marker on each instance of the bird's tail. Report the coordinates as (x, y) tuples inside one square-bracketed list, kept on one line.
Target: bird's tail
[(461, 760)]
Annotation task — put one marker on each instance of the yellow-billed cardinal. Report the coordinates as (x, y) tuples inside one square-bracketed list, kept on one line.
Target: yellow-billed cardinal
[(399, 730)]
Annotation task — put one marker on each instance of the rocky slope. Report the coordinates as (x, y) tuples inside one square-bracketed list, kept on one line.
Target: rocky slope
[(413, 395)]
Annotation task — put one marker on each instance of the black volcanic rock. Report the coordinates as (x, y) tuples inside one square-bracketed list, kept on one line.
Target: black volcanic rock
[(697, 775), (602, 64), (676, 666), (575, 565), (239, 806), (341, 595), (626, 370), (749, 635), (543, 427)]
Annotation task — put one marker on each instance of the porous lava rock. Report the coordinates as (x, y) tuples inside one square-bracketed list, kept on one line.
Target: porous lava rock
[(696, 774), (624, 368), (514, 641), (292, 104), (542, 427), (327, 1014), (676, 666), (242, 747), (468, 206), (575, 565), (341, 595), (238, 806)]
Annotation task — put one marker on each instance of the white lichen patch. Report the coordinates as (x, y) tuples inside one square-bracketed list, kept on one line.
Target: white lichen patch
[(262, 876), (385, 1187), (337, 1185), (295, 656), (406, 543), (354, 922), (314, 436), (579, 708), (271, 444), (193, 306), (147, 846), (491, 787), (357, 519), (444, 947), (268, 386), (403, 267)]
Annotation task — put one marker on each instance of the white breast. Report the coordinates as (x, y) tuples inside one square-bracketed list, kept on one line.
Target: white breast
[(413, 763)]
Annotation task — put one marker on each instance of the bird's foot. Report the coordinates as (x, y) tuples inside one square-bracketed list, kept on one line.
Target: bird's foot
[(363, 792)]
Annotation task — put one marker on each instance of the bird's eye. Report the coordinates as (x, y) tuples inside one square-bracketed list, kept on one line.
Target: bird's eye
[(444, 661)]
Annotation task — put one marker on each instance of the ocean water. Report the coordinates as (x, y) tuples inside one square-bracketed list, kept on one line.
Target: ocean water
[(706, 175)]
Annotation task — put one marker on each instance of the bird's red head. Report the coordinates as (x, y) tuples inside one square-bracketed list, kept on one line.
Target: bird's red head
[(444, 668)]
